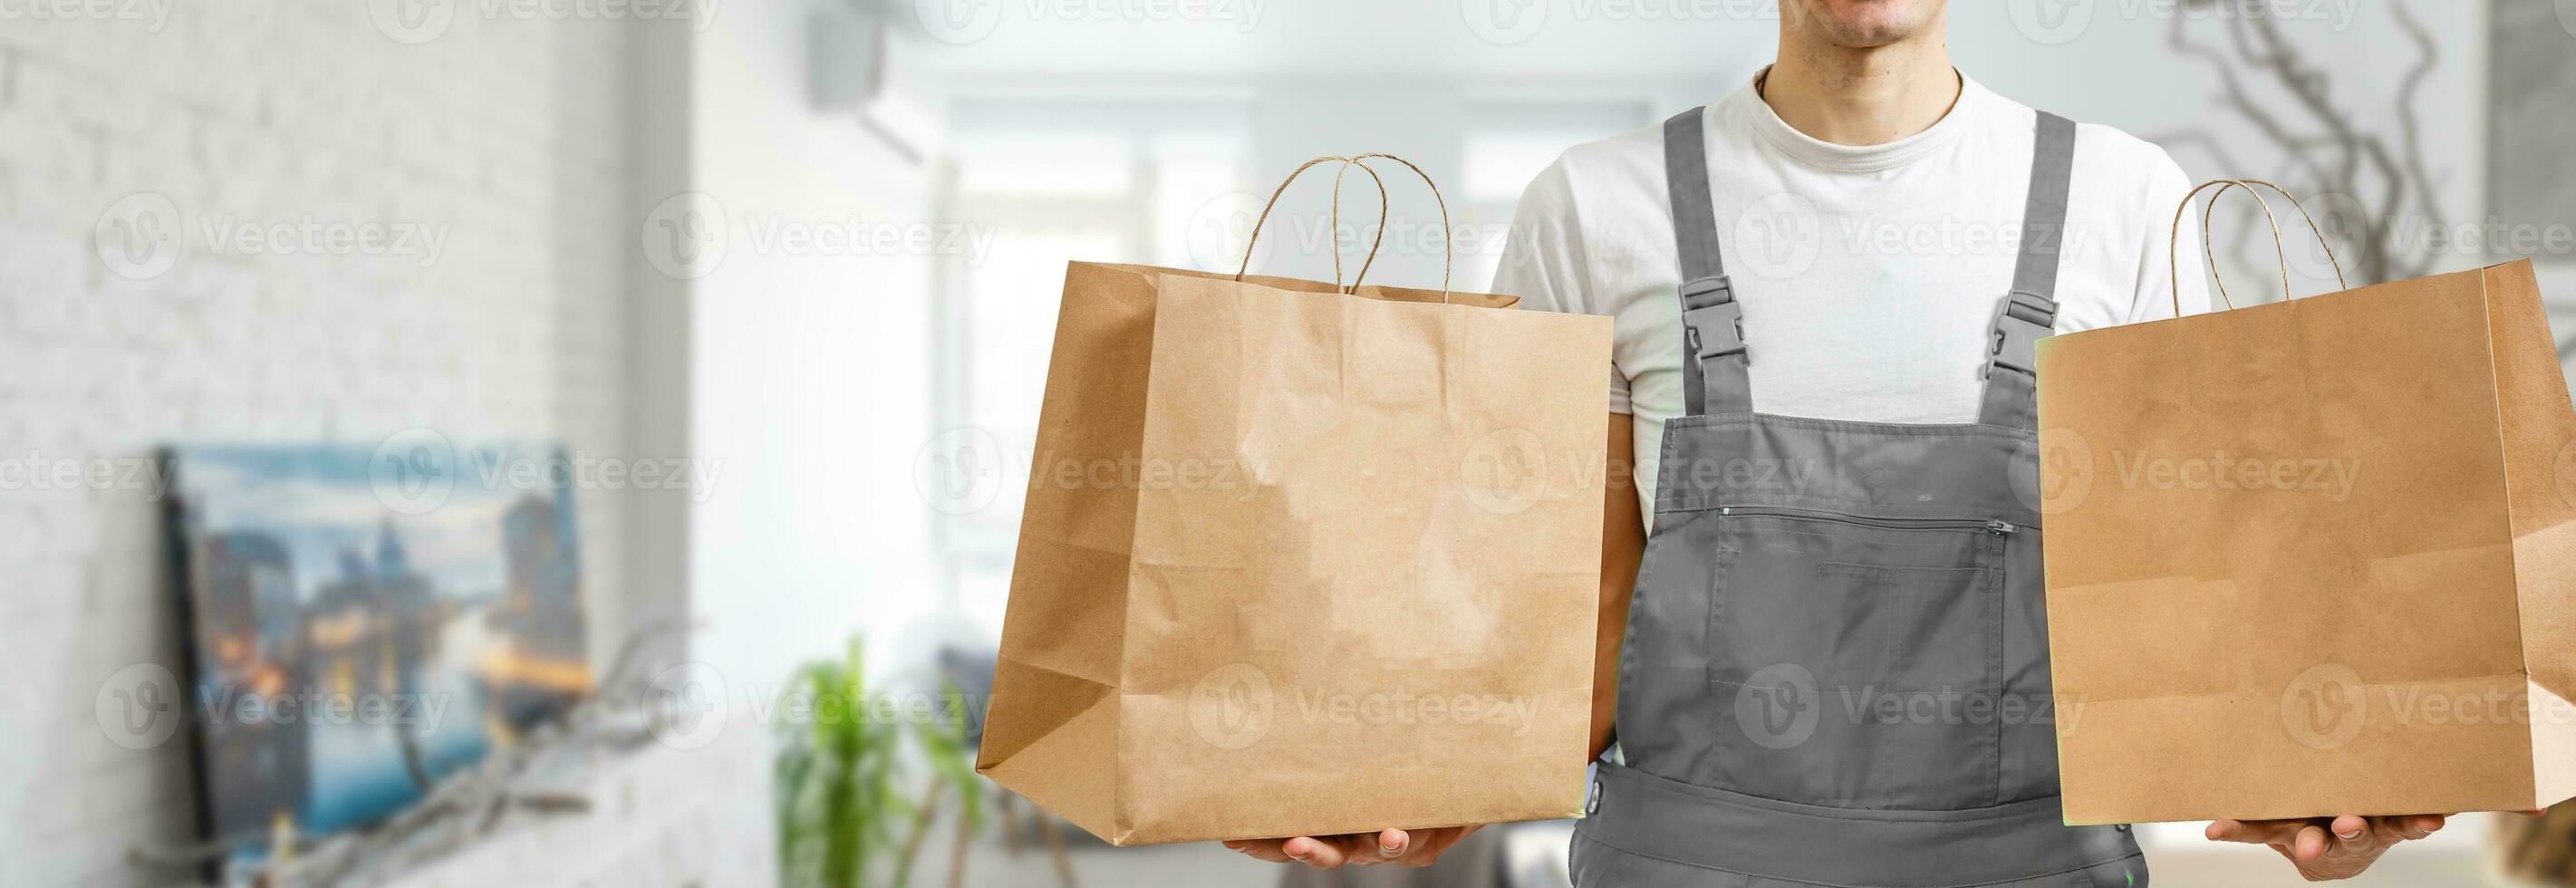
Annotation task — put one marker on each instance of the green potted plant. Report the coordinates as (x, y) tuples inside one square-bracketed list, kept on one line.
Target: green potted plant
[(844, 818)]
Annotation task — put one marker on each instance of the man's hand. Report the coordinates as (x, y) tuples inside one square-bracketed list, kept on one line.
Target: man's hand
[(1418, 847), (2325, 849)]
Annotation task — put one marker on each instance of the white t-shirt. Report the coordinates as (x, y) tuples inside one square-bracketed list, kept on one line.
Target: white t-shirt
[(1869, 275)]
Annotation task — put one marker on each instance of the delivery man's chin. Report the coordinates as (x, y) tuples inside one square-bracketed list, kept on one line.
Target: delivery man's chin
[(1862, 24)]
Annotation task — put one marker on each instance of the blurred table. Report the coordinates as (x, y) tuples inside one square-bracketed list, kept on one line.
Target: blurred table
[(659, 817)]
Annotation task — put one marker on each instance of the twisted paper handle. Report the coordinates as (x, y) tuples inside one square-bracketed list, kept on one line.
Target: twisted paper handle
[(2173, 238), (1447, 259), (1347, 163)]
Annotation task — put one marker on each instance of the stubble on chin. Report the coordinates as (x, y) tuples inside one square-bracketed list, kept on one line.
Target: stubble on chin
[(1861, 24)]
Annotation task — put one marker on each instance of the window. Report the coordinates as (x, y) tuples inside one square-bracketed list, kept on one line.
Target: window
[(1043, 184), (1512, 143)]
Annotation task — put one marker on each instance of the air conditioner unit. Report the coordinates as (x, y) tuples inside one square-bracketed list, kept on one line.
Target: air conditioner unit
[(861, 66)]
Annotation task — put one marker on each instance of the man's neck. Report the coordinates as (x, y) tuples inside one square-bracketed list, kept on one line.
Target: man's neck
[(1870, 96)]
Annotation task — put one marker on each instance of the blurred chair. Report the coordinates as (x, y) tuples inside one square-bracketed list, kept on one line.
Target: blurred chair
[(969, 674), (2538, 851)]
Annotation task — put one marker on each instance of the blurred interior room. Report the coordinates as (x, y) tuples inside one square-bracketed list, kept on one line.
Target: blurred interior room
[(639, 395)]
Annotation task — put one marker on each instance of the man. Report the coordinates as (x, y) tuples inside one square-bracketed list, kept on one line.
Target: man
[(1826, 287)]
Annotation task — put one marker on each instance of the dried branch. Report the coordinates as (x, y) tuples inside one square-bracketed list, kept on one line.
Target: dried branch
[(2308, 87), (2241, 99), (2412, 130), (2327, 150), (2239, 249)]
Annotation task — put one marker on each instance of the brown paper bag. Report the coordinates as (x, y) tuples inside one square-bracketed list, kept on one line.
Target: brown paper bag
[(2314, 558), (1299, 560)]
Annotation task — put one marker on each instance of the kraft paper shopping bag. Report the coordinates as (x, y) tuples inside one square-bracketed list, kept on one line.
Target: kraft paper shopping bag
[(2315, 557), (1300, 558)]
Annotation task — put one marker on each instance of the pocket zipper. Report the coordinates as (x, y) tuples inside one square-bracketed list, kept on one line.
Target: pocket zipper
[(1997, 528)]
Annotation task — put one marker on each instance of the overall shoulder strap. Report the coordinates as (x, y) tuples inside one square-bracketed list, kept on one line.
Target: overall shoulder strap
[(2029, 311), (1715, 378)]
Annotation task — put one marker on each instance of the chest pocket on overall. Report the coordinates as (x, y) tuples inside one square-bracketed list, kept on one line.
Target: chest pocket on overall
[(1862, 657)]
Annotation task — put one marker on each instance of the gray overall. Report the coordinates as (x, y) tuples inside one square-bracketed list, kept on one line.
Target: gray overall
[(1836, 667)]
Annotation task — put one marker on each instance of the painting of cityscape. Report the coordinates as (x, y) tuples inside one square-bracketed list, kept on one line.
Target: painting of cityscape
[(346, 653)]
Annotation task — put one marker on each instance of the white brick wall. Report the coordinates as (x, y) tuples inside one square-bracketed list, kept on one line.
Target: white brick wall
[(511, 133)]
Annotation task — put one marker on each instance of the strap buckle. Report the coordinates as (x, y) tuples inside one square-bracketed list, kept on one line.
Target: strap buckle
[(1716, 331), (1716, 289), (2021, 320), (1712, 321)]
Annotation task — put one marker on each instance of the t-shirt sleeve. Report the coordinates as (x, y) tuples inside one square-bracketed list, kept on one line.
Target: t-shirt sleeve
[(1544, 262), (2156, 292)]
